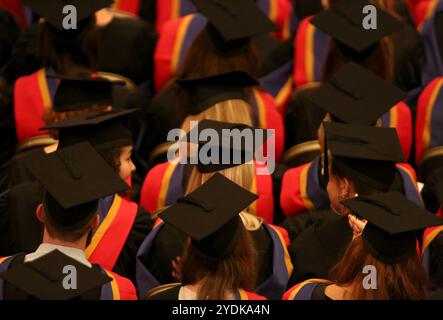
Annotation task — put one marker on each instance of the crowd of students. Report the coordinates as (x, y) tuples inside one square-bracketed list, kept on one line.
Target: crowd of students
[(87, 180)]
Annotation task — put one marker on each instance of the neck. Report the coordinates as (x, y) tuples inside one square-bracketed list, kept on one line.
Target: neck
[(103, 17), (80, 244), (336, 292), (50, 149)]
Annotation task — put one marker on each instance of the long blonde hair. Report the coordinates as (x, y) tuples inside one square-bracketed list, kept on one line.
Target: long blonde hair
[(244, 176), (232, 111)]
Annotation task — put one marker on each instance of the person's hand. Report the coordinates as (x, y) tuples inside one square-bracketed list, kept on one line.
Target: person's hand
[(177, 269), (357, 225)]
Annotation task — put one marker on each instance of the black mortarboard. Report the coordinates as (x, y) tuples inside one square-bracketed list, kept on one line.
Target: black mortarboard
[(206, 92), (74, 178), (208, 218), (367, 154), (231, 23), (231, 152), (103, 130), (393, 221), (344, 23), (43, 278), (75, 93), (52, 11), (355, 95)]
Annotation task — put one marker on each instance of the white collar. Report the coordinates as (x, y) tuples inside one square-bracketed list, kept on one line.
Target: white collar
[(45, 248)]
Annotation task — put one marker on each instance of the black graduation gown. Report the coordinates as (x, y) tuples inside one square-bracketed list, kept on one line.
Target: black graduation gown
[(127, 48), (436, 295), (408, 58), (436, 261), (23, 232), (148, 11), (163, 115), (320, 238), (306, 8), (8, 138), (11, 292), (125, 265), (168, 294), (277, 180), (303, 118), (272, 53), (8, 141), (169, 244), (26, 58), (439, 32), (166, 110), (14, 171), (319, 292), (317, 249)]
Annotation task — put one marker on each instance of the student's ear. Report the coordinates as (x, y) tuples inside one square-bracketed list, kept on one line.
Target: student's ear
[(347, 188), (96, 222), (39, 213)]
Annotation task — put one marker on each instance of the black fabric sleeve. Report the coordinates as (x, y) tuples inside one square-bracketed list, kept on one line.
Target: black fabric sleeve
[(436, 261), (302, 118), (125, 265), (277, 180)]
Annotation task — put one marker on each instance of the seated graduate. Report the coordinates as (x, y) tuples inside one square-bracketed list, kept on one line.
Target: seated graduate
[(362, 161), (306, 8), (74, 96), (71, 52), (432, 246), (164, 244), (351, 43), (351, 96), (219, 261), (7, 77), (223, 46), (123, 225), (388, 243), (126, 46), (231, 30), (65, 52), (432, 35), (74, 178), (274, 64), (404, 44), (221, 98)]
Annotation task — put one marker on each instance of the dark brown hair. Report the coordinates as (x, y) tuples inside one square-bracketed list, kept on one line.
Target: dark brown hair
[(69, 236), (404, 280), (75, 57), (112, 158), (379, 62), (50, 116), (235, 271), (360, 187), (202, 60)]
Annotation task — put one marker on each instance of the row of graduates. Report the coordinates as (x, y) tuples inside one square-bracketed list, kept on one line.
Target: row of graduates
[(218, 46), (167, 182), (315, 51), (221, 257)]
